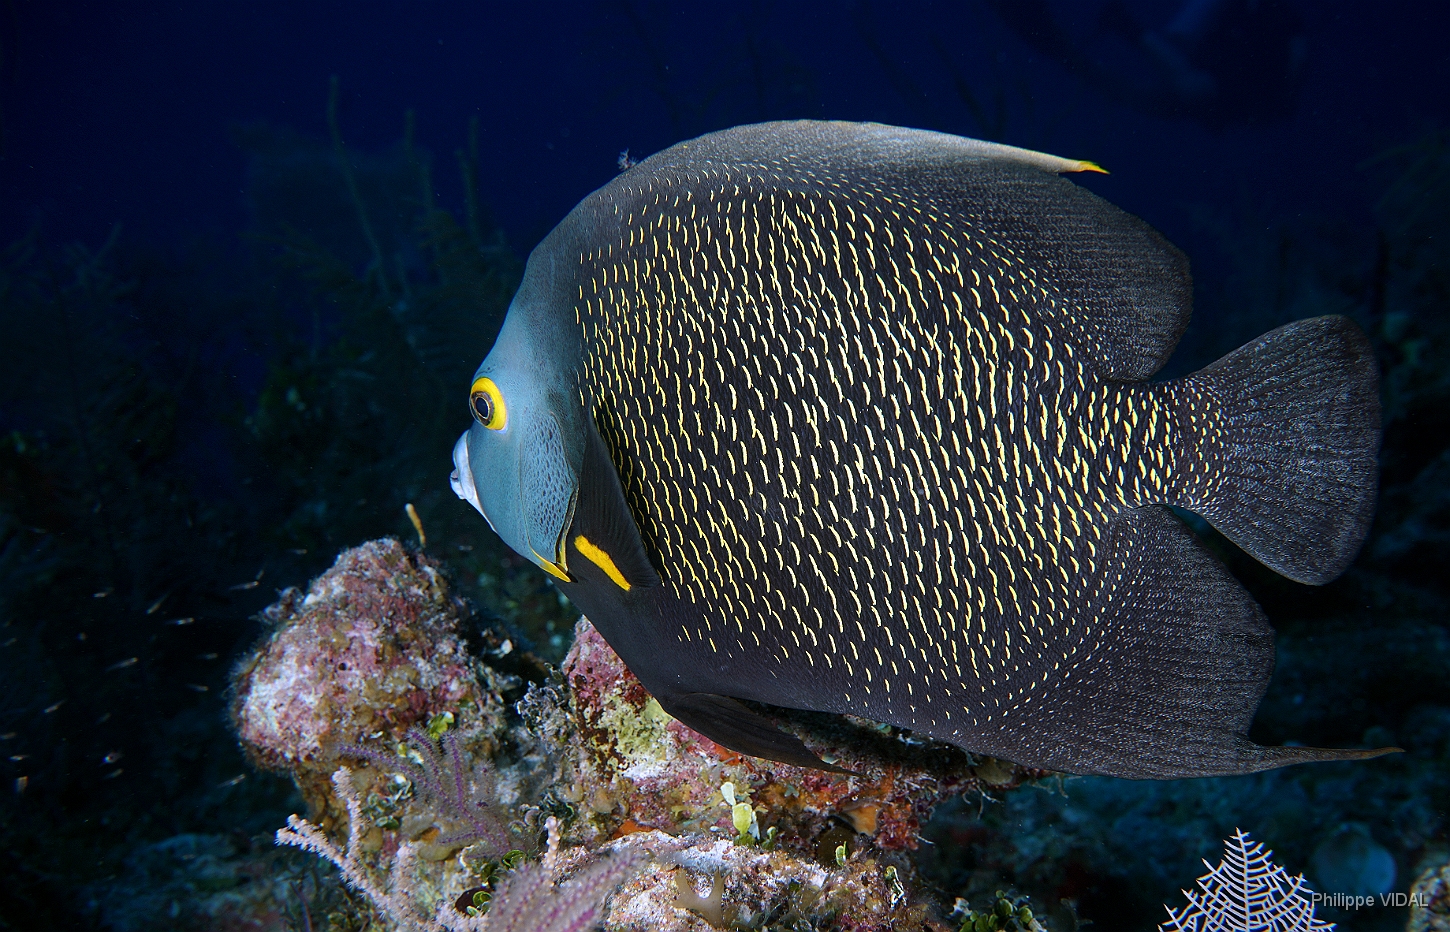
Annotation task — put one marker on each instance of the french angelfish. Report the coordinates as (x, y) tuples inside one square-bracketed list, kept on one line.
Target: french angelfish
[(851, 418)]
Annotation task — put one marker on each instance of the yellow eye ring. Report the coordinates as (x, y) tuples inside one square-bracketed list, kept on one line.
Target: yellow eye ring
[(486, 403)]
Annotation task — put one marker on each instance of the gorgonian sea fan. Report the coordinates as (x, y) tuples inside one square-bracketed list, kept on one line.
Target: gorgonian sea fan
[(1246, 892)]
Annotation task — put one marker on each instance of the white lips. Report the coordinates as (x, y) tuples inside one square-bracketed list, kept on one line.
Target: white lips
[(462, 477)]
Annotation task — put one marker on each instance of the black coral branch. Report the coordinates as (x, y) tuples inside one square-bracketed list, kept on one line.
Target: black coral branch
[(1246, 891)]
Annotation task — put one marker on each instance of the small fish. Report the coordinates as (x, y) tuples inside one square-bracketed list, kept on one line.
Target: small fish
[(155, 607), (257, 581), (234, 781), (123, 664), (857, 419), (182, 622), (112, 757), (52, 708)]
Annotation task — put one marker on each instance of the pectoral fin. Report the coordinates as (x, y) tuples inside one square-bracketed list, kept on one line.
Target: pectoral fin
[(730, 724), (603, 531)]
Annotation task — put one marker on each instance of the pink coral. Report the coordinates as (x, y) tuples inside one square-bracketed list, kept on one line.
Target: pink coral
[(375, 645)]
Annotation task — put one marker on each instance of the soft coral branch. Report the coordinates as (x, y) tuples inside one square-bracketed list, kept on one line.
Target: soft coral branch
[(395, 902), (442, 779), (530, 899)]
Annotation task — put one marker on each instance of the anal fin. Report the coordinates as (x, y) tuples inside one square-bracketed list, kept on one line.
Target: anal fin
[(1183, 655), (730, 724)]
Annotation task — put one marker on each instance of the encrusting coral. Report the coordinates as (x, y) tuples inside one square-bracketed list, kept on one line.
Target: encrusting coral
[(400, 739), (375, 647)]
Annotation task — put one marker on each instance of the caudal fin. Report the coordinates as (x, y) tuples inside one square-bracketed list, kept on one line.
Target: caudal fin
[(1298, 474)]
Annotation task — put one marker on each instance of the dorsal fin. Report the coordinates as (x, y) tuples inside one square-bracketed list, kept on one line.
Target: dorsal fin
[(1123, 293)]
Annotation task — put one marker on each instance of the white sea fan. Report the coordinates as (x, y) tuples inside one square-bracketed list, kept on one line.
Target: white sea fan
[(1246, 892)]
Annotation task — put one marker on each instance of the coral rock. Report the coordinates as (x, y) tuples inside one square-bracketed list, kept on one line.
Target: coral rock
[(703, 883), (375, 649), (1430, 898), (374, 646)]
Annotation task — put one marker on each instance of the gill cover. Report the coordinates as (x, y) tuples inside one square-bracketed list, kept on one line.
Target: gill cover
[(548, 490)]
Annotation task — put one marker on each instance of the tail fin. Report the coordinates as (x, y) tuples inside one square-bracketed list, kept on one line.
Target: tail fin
[(1297, 482)]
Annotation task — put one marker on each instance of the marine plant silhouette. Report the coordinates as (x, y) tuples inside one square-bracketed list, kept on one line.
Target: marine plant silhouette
[(1246, 892), (118, 532), (183, 429), (355, 420)]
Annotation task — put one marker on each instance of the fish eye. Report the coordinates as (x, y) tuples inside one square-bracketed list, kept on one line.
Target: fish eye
[(486, 403)]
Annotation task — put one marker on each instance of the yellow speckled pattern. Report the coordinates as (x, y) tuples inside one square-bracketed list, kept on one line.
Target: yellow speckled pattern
[(858, 438)]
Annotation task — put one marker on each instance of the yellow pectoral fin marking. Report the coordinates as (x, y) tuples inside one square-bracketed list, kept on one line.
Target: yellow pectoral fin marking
[(1082, 165), (552, 568), (602, 560)]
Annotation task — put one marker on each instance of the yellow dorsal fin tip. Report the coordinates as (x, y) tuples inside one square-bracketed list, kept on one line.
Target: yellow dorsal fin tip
[(1082, 165)]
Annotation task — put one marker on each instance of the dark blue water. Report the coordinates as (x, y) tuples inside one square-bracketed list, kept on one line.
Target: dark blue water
[(194, 393)]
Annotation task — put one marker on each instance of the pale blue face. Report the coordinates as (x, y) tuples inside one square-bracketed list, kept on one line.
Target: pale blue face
[(513, 464)]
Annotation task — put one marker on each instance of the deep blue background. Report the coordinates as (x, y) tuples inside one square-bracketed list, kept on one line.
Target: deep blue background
[(126, 112)]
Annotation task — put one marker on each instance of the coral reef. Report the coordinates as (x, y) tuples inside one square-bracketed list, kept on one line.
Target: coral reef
[(373, 648), (529, 899), (399, 737)]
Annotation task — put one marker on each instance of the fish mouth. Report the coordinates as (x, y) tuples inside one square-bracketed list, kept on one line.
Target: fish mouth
[(461, 478)]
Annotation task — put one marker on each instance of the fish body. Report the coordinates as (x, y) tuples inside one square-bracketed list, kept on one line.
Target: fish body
[(855, 419)]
